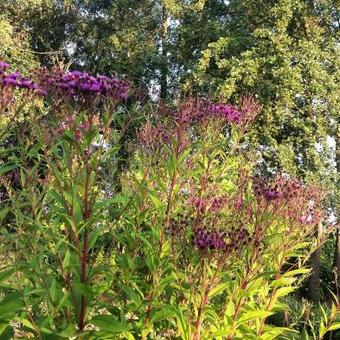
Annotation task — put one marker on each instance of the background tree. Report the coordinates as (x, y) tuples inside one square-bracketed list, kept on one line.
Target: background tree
[(287, 54)]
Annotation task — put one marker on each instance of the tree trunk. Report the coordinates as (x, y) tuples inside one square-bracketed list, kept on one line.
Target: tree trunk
[(164, 66), (337, 257), (314, 279), (337, 210)]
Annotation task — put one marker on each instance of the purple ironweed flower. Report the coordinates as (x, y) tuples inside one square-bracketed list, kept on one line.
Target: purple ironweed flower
[(290, 199), (153, 137), (225, 111), (198, 203), (238, 237), (3, 65), (272, 194), (77, 85), (247, 111), (216, 204), (213, 204), (209, 240), (9, 82), (15, 79), (14, 75), (239, 204), (217, 240)]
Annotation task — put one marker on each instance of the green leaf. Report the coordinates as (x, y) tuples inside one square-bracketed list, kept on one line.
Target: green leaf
[(167, 281), (108, 323), (3, 213), (27, 324), (284, 291), (166, 248), (22, 177), (171, 165), (94, 236), (300, 271), (34, 150), (185, 154), (69, 331), (182, 325), (10, 304), (230, 309), (134, 297), (68, 135), (90, 136), (284, 281), (155, 200), (7, 333), (164, 313), (147, 329), (57, 197), (255, 314), (83, 289), (334, 326), (66, 260), (6, 168), (53, 289), (64, 301), (270, 332), (219, 289), (4, 275)]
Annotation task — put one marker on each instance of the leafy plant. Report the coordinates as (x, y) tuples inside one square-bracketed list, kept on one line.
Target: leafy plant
[(191, 246)]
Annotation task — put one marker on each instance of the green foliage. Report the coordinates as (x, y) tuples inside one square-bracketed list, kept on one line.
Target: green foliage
[(15, 47), (287, 56), (98, 227)]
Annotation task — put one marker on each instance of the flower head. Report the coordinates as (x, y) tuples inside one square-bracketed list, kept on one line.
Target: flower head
[(3, 65)]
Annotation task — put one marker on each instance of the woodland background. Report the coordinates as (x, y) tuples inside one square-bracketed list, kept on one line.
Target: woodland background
[(285, 53)]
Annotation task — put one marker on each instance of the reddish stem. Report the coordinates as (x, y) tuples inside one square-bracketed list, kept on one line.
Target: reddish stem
[(83, 273)]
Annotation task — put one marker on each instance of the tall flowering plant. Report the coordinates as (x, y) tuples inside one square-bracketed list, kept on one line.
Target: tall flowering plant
[(209, 249), (190, 246), (53, 189)]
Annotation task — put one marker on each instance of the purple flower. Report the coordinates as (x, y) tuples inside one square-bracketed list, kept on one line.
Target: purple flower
[(85, 87), (239, 204), (77, 74), (95, 87), (209, 240), (75, 85), (271, 194), (13, 75), (225, 111), (9, 82), (82, 84), (3, 65), (26, 84)]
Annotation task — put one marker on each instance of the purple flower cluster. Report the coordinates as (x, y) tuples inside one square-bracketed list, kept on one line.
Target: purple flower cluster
[(198, 203), (209, 240), (75, 84), (215, 240), (290, 199), (238, 237), (3, 66), (217, 204), (271, 194), (153, 137), (16, 80), (239, 203), (83, 84), (226, 112), (197, 110), (268, 191), (277, 188)]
